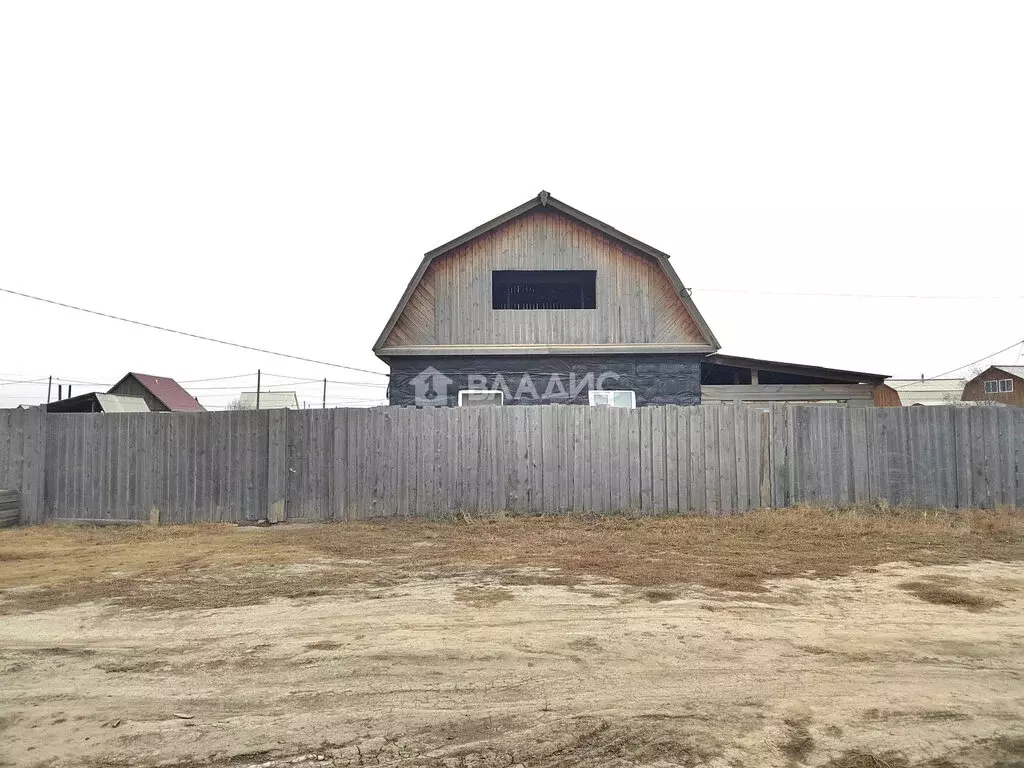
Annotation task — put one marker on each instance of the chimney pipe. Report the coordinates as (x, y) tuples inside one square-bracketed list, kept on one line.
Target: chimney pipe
[(60, 391)]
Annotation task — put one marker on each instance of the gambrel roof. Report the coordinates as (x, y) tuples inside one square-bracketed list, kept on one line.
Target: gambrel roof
[(546, 202)]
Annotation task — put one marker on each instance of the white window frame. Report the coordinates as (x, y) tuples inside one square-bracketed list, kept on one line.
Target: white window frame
[(1008, 383), (630, 392), (497, 392), (995, 387)]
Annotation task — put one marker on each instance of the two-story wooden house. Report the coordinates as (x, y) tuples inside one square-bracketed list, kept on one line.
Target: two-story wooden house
[(545, 304)]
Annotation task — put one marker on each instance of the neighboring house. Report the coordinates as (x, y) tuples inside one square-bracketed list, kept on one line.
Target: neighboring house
[(545, 304), (729, 379), (928, 391), (997, 384), (160, 392), (268, 401), (99, 402)]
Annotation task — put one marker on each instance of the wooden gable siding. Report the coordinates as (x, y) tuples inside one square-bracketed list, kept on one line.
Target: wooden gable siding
[(416, 326), (636, 302), (132, 386)]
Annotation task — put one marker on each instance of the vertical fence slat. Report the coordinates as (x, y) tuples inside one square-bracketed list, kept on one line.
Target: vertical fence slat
[(355, 463), (727, 448), (712, 458)]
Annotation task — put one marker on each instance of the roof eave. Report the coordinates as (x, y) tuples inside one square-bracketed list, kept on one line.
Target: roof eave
[(795, 368), (529, 350)]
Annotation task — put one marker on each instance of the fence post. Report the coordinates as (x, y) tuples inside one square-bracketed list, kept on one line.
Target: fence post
[(277, 464), (33, 476)]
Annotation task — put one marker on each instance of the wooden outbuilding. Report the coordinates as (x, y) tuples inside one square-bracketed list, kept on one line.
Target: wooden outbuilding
[(99, 402), (731, 379), (161, 393), (997, 384)]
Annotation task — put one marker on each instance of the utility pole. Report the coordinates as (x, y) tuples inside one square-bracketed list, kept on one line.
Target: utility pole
[(257, 389), (49, 386), (325, 394)]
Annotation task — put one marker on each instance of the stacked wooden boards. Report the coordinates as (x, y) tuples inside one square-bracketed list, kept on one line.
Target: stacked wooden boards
[(10, 508)]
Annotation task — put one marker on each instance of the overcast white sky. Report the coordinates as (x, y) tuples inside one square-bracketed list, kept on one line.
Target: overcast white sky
[(272, 173)]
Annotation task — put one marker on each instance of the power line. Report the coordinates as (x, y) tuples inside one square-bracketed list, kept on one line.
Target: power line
[(187, 334), (860, 295), (218, 378), (5, 382), (974, 362), (355, 383), (295, 381), (80, 381)]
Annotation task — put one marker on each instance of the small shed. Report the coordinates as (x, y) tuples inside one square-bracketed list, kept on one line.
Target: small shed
[(732, 379), (268, 401), (99, 402), (928, 391)]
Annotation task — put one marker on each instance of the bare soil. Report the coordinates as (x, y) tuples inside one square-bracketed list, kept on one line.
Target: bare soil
[(800, 637)]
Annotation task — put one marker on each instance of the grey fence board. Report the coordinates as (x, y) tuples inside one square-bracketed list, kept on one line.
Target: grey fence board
[(10, 508), (360, 463), (698, 461)]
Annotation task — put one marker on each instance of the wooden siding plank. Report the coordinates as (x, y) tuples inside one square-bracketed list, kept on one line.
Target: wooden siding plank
[(636, 300)]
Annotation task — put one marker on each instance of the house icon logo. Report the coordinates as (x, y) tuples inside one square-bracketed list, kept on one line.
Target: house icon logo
[(431, 387)]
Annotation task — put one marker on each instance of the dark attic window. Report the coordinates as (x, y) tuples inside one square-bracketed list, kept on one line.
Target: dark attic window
[(544, 289)]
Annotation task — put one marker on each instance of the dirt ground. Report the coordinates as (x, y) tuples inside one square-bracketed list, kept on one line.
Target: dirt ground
[(841, 639)]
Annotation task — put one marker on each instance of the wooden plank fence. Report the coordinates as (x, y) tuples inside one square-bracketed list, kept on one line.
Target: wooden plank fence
[(348, 464), (10, 508)]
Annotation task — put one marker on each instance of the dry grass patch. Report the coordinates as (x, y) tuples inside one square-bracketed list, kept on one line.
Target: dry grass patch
[(585, 644), (219, 565), (799, 743), (323, 645), (857, 759), (139, 665), (659, 595), (943, 594), (481, 597)]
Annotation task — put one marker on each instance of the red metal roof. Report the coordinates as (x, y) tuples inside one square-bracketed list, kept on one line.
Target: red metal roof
[(169, 392)]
